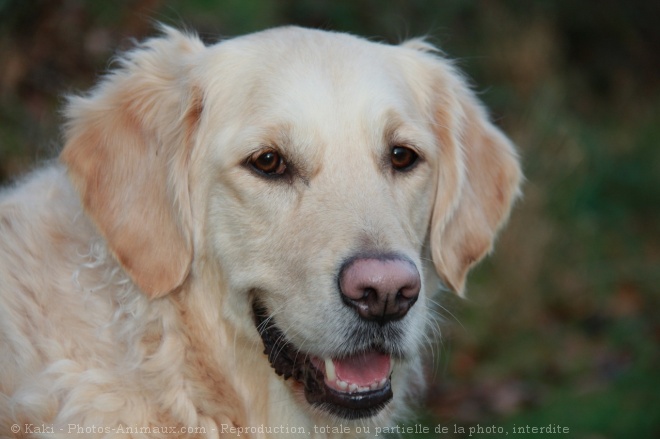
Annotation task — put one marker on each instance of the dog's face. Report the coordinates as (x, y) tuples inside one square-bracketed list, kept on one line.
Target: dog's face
[(325, 170), (318, 172)]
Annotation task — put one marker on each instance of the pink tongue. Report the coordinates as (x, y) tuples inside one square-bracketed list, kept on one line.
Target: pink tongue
[(363, 369)]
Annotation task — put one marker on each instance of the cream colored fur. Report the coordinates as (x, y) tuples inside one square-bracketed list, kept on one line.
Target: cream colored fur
[(127, 269)]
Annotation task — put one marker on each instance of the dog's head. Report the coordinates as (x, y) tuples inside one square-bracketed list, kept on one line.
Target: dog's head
[(327, 178)]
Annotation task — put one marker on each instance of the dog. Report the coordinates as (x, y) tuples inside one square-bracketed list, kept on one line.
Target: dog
[(245, 239)]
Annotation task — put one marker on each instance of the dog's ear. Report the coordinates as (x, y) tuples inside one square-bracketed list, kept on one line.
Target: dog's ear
[(478, 179), (128, 145)]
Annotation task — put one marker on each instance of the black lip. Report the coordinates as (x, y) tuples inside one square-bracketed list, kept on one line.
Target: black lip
[(351, 405), (289, 362)]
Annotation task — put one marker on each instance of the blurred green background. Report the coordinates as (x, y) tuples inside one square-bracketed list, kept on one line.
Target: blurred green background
[(562, 323)]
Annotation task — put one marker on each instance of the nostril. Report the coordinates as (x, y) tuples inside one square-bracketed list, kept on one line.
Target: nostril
[(369, 292), (380, 289)]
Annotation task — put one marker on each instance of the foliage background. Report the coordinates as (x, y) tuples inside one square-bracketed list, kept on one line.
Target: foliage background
[(562, 323)]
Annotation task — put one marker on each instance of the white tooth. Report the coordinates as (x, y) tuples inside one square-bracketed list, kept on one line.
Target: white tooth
[(382, 382), (343, 385), (362, 389), (330, 370), (373, 386), (352, 387)]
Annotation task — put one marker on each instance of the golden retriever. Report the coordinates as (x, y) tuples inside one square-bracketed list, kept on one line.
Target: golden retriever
[(244, 239)]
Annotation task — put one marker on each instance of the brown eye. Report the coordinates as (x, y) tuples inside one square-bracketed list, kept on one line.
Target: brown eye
[(403, 158), (268, 162)]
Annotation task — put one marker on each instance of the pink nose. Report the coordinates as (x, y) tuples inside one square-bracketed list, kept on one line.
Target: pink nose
[(380, 289)]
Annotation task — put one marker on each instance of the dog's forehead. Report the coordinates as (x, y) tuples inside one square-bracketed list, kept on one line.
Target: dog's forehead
[(322, 84), (308, 72)]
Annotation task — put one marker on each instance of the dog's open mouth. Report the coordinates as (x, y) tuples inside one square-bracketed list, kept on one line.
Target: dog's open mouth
[(352, 387)]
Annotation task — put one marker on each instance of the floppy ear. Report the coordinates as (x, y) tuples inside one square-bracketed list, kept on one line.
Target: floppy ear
[(478, 180), (127, 152)]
